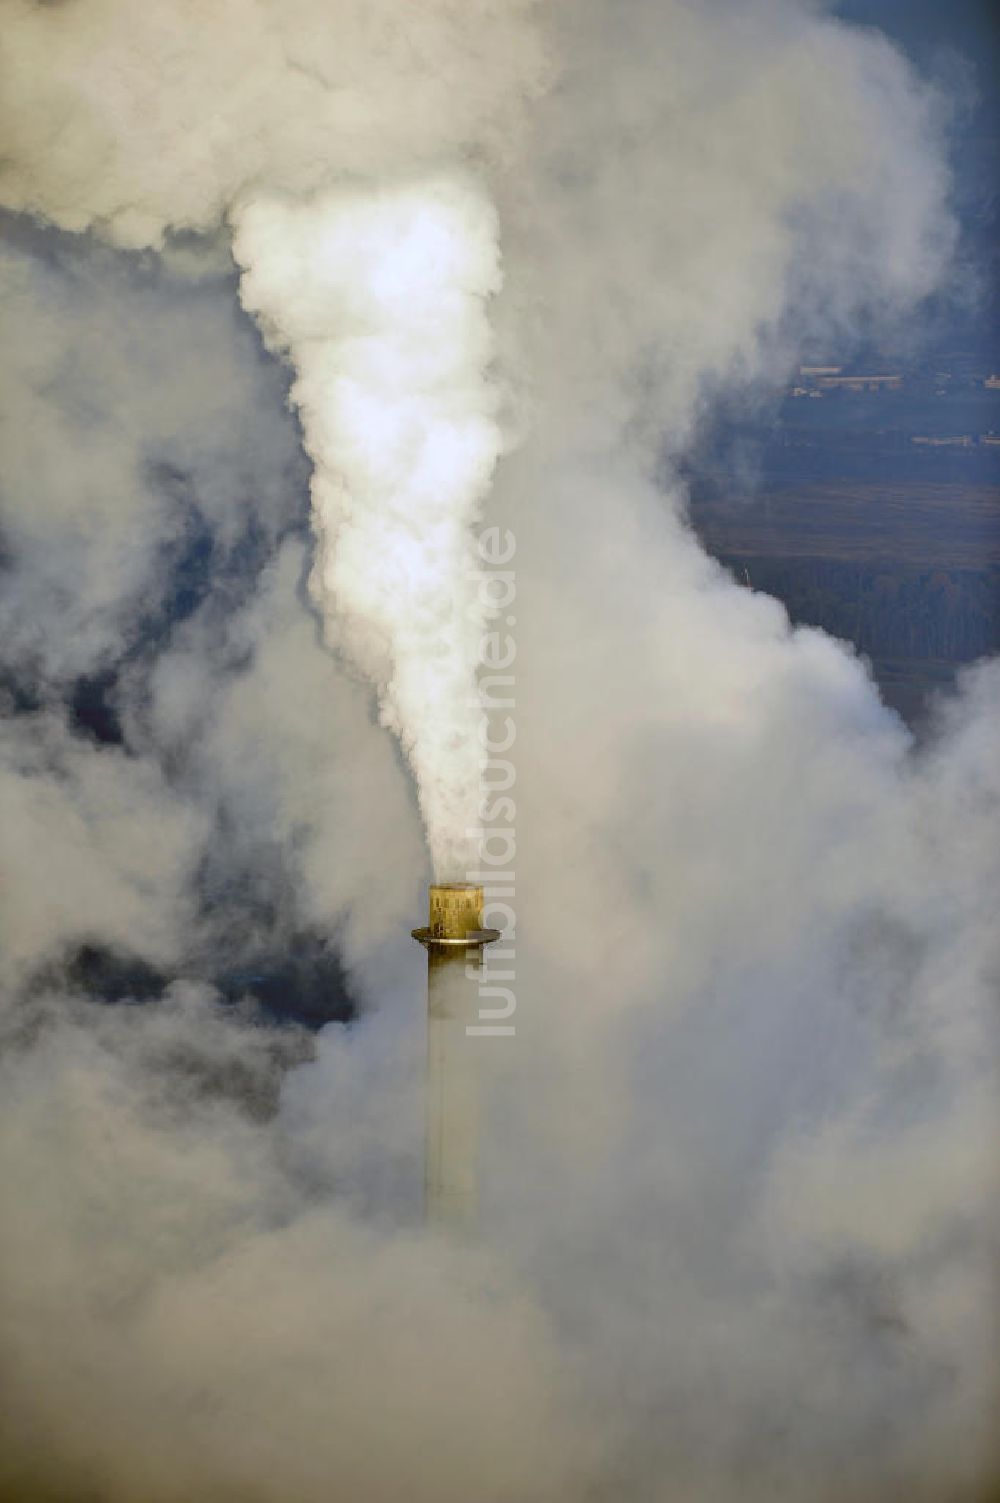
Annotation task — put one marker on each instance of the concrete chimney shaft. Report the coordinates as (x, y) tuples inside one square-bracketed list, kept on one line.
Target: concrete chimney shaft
[(454, 939)]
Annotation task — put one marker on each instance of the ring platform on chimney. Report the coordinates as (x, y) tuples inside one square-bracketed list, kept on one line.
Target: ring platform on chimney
[(471, 938)]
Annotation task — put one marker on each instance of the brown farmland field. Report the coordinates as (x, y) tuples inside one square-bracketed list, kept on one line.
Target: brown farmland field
[(920, 524)]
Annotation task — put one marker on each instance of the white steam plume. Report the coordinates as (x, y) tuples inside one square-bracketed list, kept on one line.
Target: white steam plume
[(378, 297), (375, 293)]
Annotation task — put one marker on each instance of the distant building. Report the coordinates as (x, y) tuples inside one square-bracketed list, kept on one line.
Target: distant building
[(860, 383)]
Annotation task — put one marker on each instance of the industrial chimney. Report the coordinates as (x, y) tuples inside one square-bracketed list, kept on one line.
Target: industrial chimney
[(454, 941)]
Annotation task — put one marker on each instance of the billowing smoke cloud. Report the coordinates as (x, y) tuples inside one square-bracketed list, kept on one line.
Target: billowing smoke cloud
[(736, 1233), (140, 123)]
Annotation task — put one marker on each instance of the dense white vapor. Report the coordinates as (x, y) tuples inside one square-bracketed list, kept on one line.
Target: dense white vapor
[(189, 1363), (144, 118), (379, 300), (285, 751), (739, 1170), (713, 208)]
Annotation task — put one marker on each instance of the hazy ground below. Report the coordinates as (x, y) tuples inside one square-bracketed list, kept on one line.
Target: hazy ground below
[(874, 516)]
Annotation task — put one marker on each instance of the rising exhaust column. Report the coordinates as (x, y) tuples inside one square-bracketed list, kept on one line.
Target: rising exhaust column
[(454, 940)]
